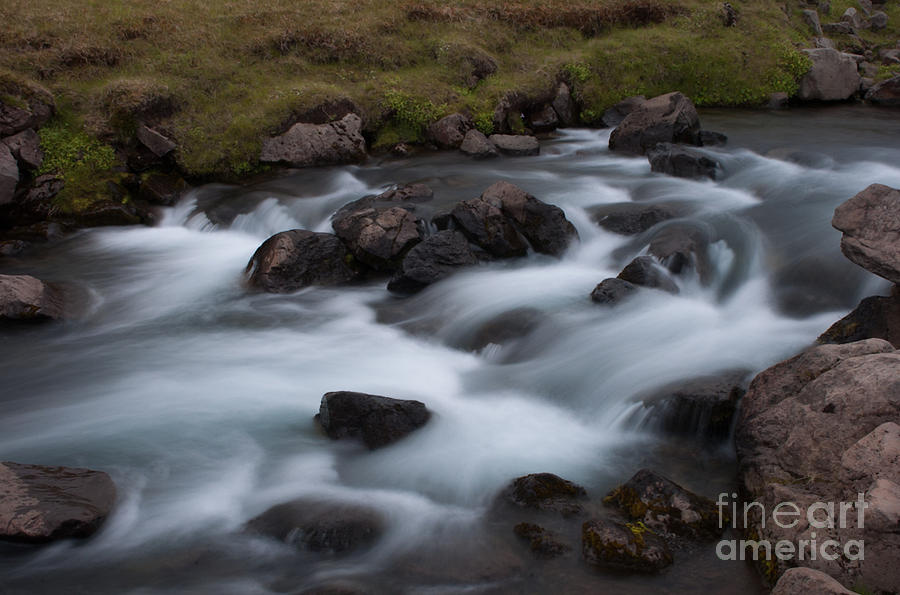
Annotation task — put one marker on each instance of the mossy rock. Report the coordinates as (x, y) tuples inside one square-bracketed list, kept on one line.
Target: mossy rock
[(636, 548), (546, 491)]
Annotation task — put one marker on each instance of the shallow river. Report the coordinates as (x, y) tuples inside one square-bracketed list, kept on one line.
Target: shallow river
[(197, 396)]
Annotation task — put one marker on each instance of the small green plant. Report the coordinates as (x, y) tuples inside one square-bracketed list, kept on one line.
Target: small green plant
[(484, 122), (577, 71), (411, 114)]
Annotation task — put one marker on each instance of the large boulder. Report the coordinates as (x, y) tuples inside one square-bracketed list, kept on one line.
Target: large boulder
[(886, 92), (821, 428), (807, 580), (833, 76), (42, 504), (379, 236), (433, 259), (545, 226), (9, 175), (319, 526), (317, 144), (26, 148), (665, 507), (23, 297), (608, 543), (871, 225), (475, 144), (516, 145), (681, 162), (545, 491), (295, 259), (669, 118), (876, 317), (449, 131), (486, 225), (632, 218), (377, 421)]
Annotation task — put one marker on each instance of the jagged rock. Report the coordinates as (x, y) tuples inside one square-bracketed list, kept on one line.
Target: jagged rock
[(564, 106), (35, 205), (294, 259), (30, 109), (811, 18), (631, 218), (41, 504), (475, 144), (26, 148), (875, 317), (487, 226), (852, 18), (9, 175), (669, 118), (435, 258), (646, 272), (612, 291), (886, 92), (665, 507), (516, 145), (377, 421), (832, 77), (614, 115), (545, 491), (158, 144), (681, 162), (163, 189), (543, 543), (318, 526), (317, 144), (23, 297), (807, 580), (543, 119), (449, 131), (545, 226), (871, 225), (608, 543), (406, 193), (378, 236)]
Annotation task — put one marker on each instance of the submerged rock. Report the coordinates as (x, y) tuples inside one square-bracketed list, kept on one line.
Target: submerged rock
[(833, 76), (317, 144), (543, 543), (324, 527), (612, 291), (682, 247), (545, 491), (612, 544), (871, 225), (377, 421), (669, 118), (666, 507), (435, 258), (631, 218), (41, 504), (646, 272), (681, 162), (25, 298), (295, 259)]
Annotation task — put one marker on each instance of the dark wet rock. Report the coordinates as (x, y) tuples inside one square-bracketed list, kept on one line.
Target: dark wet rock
[(13, 247), (487, 226), (544, 225), (294, 259), (34, 205), (683, 247), (23, 297), (612, 291), (9, 175), (378, 236), (502, 329), (542, 542), (317, 144), (702, 407), (105, 213), (807, 580), (158, 144), (665, 507), (406, 193), (681, 162), (613, 116), (832, 77), (515, 145), (669, 118), (543, 119), (435, 258), (611, 544), (546, 491), (475, 144), (876, 317), (377, 421), (564, 106), (646, 272), (632, 218), (708, 138), (778, 100), (449, 131), (40, 504), (318, 526), (821, 427), (871, 225), (811, 18), (885, 93), (26, 148), (163, 189), (29, 109)]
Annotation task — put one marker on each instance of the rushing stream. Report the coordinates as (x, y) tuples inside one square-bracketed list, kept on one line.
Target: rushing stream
[(197, 395)]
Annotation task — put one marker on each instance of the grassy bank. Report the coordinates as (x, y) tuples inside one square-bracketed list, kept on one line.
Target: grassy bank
[(219, 76)]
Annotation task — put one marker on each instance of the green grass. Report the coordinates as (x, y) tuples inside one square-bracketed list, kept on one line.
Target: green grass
[(218, 77)]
